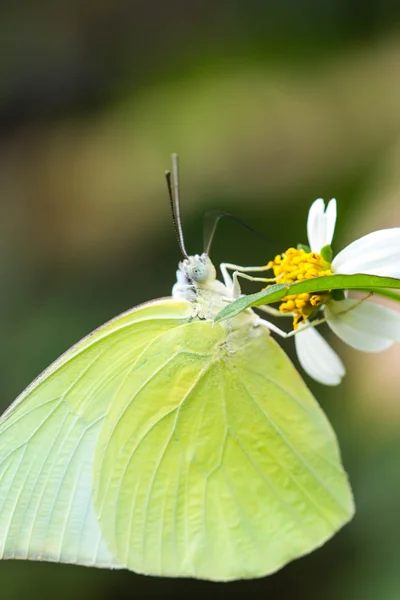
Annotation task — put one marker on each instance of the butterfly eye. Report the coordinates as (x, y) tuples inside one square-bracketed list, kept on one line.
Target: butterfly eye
[(201, 269), (199, 273)]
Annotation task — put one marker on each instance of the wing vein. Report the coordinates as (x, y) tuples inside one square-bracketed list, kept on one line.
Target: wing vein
[(300, 458)]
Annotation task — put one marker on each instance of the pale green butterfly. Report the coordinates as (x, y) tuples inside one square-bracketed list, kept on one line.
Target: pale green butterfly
[(168, 445)]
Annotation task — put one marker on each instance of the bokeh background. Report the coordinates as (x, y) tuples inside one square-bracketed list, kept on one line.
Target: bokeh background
[(270, 105)]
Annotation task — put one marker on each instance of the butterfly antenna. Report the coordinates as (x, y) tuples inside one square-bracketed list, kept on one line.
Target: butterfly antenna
[(211, 220), (173, 193)]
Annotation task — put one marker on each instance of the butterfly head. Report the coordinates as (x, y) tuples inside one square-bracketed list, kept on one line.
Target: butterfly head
[(197, 269), (196, 282)]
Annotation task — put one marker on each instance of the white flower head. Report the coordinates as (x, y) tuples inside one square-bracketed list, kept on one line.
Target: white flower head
[(362, 324)]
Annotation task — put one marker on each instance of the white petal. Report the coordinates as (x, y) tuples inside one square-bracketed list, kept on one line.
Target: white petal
[(313, 222), (321, 224), (330, 220), (377, 253), (366, 326), (317, 358)]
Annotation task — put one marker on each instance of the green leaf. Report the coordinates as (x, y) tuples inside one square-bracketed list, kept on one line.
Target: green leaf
[(275, 293), (338, 295), (327, 254), (304, 247)]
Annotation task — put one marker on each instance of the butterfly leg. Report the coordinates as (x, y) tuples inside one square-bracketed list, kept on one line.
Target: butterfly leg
[(301, 327), (225, 267), (232, 282), (286, 334), (236, 284), (275, 312)]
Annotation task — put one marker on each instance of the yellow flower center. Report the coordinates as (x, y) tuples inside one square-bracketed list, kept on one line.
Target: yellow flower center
[(296, 265)]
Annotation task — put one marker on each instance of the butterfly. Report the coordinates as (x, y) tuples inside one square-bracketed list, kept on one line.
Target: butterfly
[(172, 446)]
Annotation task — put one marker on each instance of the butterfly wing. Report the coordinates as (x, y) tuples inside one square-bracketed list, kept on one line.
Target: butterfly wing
[(215, 461), (48, 439)]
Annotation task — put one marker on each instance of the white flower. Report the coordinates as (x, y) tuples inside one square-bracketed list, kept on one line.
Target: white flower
[(364, 325)]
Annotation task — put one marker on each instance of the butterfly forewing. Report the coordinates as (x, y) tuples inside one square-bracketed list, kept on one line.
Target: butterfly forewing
[(49, 435)]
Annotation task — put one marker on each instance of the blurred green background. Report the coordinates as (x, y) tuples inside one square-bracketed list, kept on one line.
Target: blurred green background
[(270, 105)]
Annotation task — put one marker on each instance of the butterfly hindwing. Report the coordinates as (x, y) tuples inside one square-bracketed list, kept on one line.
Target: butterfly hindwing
[(215, 461)]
